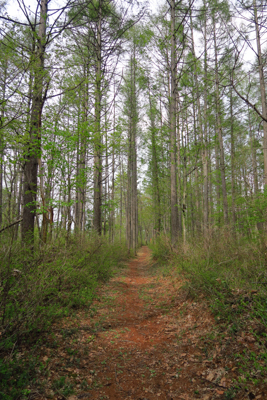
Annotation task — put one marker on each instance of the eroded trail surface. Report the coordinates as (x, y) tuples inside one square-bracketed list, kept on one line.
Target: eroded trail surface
[(146, 341)]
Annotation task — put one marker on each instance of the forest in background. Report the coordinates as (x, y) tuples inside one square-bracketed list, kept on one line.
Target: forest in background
[(132, 123), (122, 124)]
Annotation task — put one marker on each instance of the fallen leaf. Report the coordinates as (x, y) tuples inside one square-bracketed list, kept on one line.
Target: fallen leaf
[(210, 376), (223, 382)]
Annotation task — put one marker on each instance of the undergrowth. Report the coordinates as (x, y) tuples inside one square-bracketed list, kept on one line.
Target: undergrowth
[(39, 286), (230, 272)]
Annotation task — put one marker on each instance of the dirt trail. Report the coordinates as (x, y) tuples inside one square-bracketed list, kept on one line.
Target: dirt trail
[(146, 341), (145, 358)]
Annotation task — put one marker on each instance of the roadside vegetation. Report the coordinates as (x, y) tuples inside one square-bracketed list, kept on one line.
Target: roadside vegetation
[(39, 287), (229, 272)]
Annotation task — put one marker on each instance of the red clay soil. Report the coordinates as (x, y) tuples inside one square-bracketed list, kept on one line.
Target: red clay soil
[(146, 341)]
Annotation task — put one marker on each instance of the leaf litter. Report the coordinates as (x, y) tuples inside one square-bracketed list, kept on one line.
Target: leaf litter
[(145, 341)]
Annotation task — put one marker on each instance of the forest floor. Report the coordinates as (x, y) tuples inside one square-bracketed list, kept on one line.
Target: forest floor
[(143, 339)]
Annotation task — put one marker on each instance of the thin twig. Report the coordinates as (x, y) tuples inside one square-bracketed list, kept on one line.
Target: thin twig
[(9, 226), (224, 262)]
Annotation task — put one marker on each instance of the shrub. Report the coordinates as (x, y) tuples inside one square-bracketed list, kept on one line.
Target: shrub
[(37, 287), (227, 268)]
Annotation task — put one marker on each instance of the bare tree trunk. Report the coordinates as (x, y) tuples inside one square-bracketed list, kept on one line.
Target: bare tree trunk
[(232, 159), (263, 92), (69, 219), (34, 148), (184, 204), (82, 172), (203, 135), (253, 156), (1, 179), (97, 222), (132, 212), (43, 198), (174, 208), (121, 197), (155, 172), (217, 177), (129, 190), (205, 158), (105, 219), (2, 145), (178, 166), (219, 130), (112, 213), (19, 203), (77, 191)]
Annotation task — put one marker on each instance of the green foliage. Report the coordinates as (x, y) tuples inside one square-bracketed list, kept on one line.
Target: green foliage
[(229, 270), (161, 250), (15, 375), (63, 387), (37, 288)]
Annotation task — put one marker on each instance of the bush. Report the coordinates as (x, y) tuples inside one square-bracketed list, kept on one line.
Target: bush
[(228, 269), (36, 288)]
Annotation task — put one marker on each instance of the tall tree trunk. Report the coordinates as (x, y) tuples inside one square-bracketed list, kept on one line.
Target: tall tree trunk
[(263, 91), (174, 208), (132, 211), (77, 190), (232, 159), (203, 135), (219, 129), (155, 172), (253, 155), (97, 221), (105, 218), (84, 133), (2, 115), (112, 212), (121, 196), (205, 158), (34, 148), (184, 205), (19, 203)]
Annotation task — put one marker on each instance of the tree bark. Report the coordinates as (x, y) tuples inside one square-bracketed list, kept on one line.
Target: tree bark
[(219, 129), (233, 189), (2, 146), (203, 135), (97, 221), (34, 148), (174, 208), (263, 91), (155, 171)]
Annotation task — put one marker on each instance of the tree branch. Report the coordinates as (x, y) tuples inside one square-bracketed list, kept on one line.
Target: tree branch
[(9, 226), (248, 102)]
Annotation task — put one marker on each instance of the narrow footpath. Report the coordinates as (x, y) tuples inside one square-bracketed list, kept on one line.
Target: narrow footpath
[(145, 341)]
